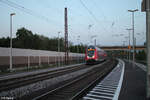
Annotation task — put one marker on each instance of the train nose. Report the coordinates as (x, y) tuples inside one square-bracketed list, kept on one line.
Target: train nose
[(93, 56)]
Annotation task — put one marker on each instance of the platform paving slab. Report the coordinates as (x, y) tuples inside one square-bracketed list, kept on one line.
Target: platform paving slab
[(134, 83)]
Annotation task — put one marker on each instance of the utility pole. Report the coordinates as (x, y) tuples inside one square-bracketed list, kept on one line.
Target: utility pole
[(148, 45), (66, 37), (132, 11), (129, 47), (78, 39), (93, 36), (146, 8), (95, 42), (123, 45)]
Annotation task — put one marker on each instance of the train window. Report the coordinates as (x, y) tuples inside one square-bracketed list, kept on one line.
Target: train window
[(91, 53)]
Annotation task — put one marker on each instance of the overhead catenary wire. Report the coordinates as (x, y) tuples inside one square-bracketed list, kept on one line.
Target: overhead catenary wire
[(90, 12), (92, 15), (99, 8), (26, 10)]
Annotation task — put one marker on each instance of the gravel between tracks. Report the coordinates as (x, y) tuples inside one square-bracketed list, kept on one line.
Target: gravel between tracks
[(19, 92), (22, 74)]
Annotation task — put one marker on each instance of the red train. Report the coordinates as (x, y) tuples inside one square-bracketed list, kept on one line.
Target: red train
[(94, 54)]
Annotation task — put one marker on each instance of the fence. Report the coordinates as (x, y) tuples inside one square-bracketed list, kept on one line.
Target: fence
[(27, 58)]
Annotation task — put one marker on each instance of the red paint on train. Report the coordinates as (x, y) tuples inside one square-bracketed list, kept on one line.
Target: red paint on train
[(94, 54)]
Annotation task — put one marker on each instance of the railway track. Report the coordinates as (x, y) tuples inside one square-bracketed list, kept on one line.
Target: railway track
[(72, 89), (16, 82)]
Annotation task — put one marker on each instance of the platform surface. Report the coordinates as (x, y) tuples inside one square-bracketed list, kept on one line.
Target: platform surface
[(134, 82), (109, 87), (127, 81)]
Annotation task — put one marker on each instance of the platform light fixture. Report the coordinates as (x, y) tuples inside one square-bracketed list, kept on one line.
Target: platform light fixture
[(132, 11), (12, 14)]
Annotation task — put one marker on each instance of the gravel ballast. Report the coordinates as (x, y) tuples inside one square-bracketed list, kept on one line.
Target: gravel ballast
[(25, 90)]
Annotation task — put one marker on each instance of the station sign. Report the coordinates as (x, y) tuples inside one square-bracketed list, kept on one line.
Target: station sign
[(129, 47)]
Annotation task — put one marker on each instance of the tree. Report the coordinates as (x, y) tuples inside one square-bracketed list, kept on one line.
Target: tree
[(5, 42), (141, 55), (24, 38)]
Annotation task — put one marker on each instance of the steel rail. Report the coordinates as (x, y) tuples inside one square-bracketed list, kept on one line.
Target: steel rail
[(38, 77), (84, 76)]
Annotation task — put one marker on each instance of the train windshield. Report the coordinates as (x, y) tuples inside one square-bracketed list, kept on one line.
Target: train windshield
[(90, 51)]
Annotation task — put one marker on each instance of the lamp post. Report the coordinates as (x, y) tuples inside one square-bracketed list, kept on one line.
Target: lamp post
[(124, 50), (129, 47), (132, 11), (78, 39), (93, 36), (58, 49), (123, 43), (127, 38), (10, 67)]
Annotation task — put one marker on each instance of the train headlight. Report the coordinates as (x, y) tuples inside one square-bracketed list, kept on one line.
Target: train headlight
[(93, 56)]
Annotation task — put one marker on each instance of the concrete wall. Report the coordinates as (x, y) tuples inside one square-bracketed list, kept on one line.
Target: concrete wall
[(28, 57), (30, 52)]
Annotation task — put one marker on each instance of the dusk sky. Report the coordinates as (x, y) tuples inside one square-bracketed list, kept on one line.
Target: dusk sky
[(104, 19)]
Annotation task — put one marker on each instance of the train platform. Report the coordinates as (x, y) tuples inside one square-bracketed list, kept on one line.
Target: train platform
[(125, 82), (134, 82)]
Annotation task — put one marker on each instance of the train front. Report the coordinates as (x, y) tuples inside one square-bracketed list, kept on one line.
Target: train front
[(90, 55)]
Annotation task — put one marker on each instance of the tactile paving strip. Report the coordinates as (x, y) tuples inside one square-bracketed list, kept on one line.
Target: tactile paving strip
[(109, 87)]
